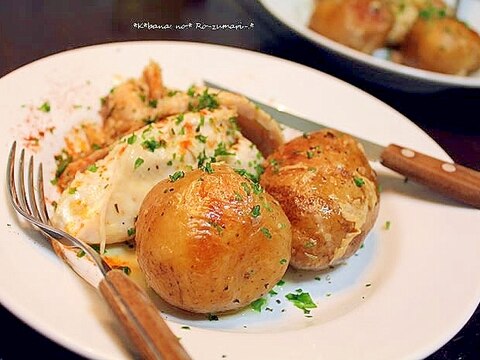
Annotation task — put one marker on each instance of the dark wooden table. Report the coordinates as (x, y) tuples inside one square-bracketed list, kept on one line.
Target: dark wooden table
[(30, 30)]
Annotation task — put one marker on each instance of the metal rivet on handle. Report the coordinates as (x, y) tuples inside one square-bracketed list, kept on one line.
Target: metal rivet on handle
[(407, 153), (449, 167)]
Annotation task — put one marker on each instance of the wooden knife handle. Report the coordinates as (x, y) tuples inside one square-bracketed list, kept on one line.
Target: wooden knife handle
[(452, 180), (140, 318)]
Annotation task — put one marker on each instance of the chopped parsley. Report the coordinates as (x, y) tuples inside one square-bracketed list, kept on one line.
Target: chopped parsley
[(387, 225), (138, 162), (212, 317), (281, 283), (45, 107), (72, 190), (358, 181), (221, 150), (153, 103), (207, 101), (275, 165), (149, 121), (257, 189), (179, 119), (131, 140), (125, 269), (131, 231), (62, 160), (255, 211), (201, 123), (246, 188), (266, 232), (96, 147), (171, 93), (191, 91), (257, 304), (238, 197), (152, 144), (432, 12), (208, 168), (80, 253), (272, 293), (283, 261), (309, 154), (176, 175), (169, 163), (201, 138), (93, 168), (301, 300), (142, 97)]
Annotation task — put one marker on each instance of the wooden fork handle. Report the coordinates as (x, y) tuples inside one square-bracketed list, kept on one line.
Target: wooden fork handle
[(140, 318), (453, 180)]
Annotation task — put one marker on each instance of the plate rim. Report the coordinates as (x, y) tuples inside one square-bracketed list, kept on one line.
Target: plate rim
[(71, 344)]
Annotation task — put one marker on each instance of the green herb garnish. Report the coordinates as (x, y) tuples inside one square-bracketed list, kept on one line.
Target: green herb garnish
[(176, 175), (45, 107), (266, 232), (201, 138), (153, 103), (302, 301), (257, 304), (131, 231), (255, 211), (358, 181), (131, 140), (93, 168), (138, 162), (221, 150)]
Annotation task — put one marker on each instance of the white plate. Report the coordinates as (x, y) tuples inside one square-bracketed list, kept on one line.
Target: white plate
[(296, 15), (423, 271)]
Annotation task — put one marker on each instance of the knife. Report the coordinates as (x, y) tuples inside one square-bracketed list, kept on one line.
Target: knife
[(453, 180)]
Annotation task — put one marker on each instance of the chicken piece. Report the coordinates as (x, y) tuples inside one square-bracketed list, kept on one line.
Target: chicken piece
[(152, 76), (360, 24), (442, 44), (328, 191), (127, 109), (101, 203)]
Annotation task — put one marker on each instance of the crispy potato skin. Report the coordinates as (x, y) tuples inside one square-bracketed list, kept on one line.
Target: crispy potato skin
[(313, 178), (200, 247), (443, 45), (360, 24)]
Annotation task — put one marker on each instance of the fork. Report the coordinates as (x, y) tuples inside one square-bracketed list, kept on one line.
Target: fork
[(135, 311)]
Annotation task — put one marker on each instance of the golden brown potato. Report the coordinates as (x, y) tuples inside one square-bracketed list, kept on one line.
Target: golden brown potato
[(442, 44), (212, 242), (328, 191), (406, 12), (360, 24)]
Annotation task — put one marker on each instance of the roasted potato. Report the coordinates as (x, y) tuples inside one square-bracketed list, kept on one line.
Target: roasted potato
[(360, 24), (442, 44), (328, 191), (211, 242)]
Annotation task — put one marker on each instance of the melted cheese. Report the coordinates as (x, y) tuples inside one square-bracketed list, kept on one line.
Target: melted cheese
[(100, 206)]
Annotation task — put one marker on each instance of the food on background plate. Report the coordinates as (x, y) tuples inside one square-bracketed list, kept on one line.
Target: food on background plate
[(328, 191), (445, 45), (212, 241), (360, 24), (418, 33)]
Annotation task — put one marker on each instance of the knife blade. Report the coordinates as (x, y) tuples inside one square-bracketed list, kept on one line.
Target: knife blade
[(453, 180)]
